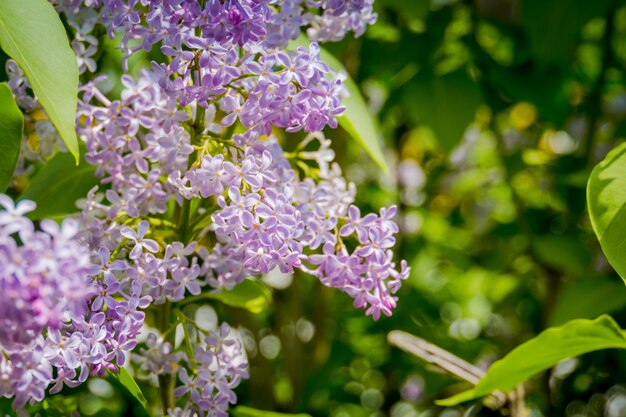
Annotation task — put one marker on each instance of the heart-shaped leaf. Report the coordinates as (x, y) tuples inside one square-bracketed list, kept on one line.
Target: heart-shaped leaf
[(32, 33), (606, 199)]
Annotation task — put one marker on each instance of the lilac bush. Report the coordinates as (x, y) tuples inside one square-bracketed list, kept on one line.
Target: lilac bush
[(196, 194)]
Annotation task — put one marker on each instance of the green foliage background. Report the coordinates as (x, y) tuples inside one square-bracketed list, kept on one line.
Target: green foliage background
[(493, 114)]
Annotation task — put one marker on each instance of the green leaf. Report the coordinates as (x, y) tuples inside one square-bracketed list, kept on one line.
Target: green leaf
[(447, 103), (556, 25), (357, 119), (32, 34), (57, 185), (243, 411), (606, 199), (249, 294), (543, 352), (124, 378), (549, 92), (565, 253), (11, 127), (588, 298)]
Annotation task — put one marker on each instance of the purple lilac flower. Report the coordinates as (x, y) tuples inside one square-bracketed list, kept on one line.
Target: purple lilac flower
[(224, 62)]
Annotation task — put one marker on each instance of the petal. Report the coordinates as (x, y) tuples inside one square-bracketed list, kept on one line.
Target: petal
[(150, 245), (25, 206), (143, 228), (136, 252)]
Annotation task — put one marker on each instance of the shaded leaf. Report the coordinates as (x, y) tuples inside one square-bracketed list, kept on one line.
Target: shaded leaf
[(564, 253), (447, 103), (243, 411), (124, 378), (606, 199), (588, 298), (57, 185), (543, 352), (556, 26), (548, 92), (11, 127), (32, 34)]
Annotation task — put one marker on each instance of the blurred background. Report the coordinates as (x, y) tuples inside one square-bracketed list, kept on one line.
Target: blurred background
[(493, 113)]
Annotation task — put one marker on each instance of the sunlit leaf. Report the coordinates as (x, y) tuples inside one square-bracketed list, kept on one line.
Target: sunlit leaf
[(11, 127), (129, 383), (56, 186), (249, 294), (32, 34), (606, 199), (543, 352)]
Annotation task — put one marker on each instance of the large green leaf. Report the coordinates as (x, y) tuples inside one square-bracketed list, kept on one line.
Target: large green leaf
[(357, 119), (554, 27), (56, 186), (606, 199), (243, 411), (11, 127), (249, 294), (124, 378), (543, 352), (32, 34)]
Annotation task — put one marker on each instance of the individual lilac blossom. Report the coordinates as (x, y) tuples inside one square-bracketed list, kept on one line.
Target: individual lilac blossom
[(138, 239), (358, 224), (12, 219)]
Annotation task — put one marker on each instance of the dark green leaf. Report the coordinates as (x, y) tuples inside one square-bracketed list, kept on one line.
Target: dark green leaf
[(56, 186), (129, 383), (243, 411), (32, 34), (11, 127), (554, 26), (415, 9), (606, 199), (250, 294), (588, 298), (446, 103), (550, 93), (543, 352), (564, 253)]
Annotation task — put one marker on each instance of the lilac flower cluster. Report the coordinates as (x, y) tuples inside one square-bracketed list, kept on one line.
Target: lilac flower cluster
[(197, 195), (221, 364), (62, 316), (263, 216), (43, 280), (268, 23)]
